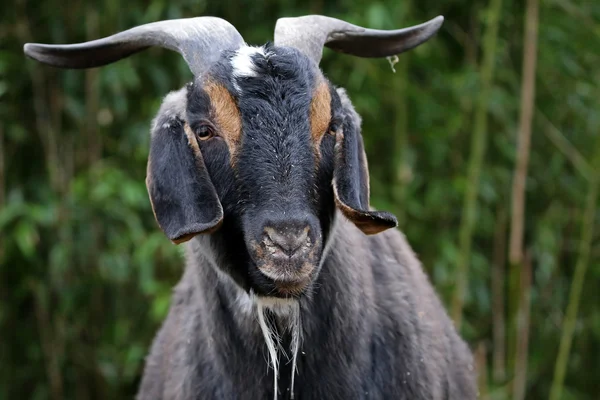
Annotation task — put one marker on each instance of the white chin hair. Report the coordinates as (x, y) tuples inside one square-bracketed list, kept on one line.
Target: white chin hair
[(289, 311)]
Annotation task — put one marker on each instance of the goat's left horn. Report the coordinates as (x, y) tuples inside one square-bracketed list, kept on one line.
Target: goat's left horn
[(199, 40), (310, 33)]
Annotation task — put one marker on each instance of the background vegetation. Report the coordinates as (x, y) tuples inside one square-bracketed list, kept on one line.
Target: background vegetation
[(485, 142)]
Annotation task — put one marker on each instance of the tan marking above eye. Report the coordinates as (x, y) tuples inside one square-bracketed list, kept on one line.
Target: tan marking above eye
[(191, 137), (320, 111), (226, 115)]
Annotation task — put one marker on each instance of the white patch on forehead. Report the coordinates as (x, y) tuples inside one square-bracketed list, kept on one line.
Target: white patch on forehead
[(172, 107), (243, 64)]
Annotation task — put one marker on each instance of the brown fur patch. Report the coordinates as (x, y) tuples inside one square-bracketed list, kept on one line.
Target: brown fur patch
[(191, 137), (320, 113), (363, 221), (260, 253), (226, 115), (185, 238)]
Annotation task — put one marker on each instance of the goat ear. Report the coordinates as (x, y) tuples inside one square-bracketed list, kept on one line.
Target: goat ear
[(351, 177), (184, 200)]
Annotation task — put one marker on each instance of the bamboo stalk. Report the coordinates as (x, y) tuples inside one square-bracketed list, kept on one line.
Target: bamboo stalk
[(522, 354), (499, 323), (519, 311), (482, 371), (587, 230), (478, 144), (524, 136)]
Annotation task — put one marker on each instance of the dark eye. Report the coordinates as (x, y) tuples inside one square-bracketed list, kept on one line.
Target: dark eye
[(204, 132), (334, 127)]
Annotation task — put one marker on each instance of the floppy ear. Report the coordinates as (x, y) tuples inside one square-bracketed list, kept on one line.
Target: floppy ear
[(351, 176), (183, 197)]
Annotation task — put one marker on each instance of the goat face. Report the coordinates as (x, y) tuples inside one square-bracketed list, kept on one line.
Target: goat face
[(254, 155), (248, 153)]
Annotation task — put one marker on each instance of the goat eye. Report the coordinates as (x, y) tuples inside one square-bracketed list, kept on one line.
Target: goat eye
[(334, 127), (204, 132)]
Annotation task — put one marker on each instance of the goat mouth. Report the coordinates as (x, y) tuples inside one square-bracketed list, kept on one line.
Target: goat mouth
[(288, 282), (292, 288)]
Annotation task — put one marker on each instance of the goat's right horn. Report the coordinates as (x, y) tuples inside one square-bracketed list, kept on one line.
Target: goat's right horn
[(199, 40), (310, 33)]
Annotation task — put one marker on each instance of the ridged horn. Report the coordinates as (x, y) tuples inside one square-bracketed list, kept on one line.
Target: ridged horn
[(199, 40), (311, 32)]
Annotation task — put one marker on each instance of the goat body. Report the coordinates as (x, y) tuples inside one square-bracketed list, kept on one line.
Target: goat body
[(372, 329)]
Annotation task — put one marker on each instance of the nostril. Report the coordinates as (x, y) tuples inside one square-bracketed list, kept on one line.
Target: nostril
[(290, 241)]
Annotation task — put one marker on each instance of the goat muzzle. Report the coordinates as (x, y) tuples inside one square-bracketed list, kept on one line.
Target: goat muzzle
[(287, 255)]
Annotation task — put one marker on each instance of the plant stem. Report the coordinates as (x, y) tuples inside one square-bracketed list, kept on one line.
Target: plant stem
[(498, 307), (524, 138), (587, 230), (482, 372), (523, 323), (477, 151), (519, 312)]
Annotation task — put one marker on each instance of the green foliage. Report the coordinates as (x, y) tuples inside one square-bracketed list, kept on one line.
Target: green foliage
[(86, 275)]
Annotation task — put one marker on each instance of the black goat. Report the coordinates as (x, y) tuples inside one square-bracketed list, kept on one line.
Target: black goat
[(259, 165)]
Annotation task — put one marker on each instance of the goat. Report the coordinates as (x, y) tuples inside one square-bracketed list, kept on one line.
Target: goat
[(258, 164)]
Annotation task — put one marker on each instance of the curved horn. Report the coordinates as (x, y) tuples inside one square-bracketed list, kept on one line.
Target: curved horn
[(199, 40), (310, 33)]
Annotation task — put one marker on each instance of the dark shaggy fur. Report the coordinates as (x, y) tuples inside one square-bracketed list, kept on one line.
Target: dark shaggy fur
[(372, 326), (373, 329)]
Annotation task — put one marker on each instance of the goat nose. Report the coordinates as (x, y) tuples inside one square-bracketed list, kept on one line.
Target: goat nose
[(288, 240)]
